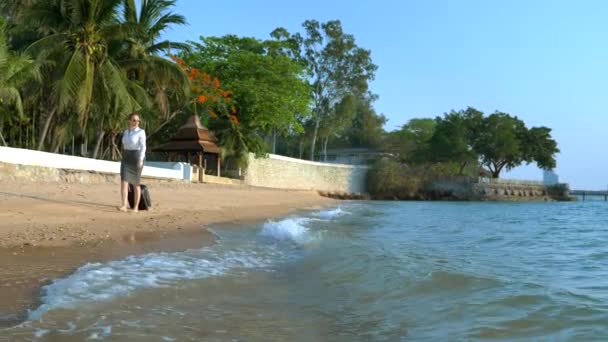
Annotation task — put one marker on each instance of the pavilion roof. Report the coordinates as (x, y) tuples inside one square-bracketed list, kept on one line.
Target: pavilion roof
[(191, 137)]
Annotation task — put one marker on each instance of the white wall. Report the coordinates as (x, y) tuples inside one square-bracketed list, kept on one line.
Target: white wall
[(184, 168), (60, 161)]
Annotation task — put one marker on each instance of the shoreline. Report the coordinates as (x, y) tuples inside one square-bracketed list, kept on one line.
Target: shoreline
[(48, 230)]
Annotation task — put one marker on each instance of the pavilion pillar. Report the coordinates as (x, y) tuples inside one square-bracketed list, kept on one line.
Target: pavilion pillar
[(201, 171), (218, 165)]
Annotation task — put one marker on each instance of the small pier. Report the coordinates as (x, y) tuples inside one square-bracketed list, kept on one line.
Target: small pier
[(587, 193)]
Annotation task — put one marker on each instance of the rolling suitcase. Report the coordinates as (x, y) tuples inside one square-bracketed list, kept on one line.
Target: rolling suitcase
[(145, 202)]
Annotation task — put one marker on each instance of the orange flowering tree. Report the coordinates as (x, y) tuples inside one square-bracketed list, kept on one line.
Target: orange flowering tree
[(208, 96)]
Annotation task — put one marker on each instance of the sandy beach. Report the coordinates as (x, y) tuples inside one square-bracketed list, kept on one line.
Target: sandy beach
[(49, 229)]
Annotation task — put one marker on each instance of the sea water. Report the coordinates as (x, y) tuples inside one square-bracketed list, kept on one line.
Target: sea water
[(362, 271)]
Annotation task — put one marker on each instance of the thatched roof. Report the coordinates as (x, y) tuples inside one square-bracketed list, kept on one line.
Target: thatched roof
[(191, 137)]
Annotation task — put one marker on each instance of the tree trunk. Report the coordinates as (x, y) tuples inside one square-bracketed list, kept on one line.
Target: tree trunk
[(105, 151), (2, 139), (325, 141), (314, 140), (274, 141), (100, 135), (496, 171), (462, 166), (45, 130), (301, 148), (115, 150), (33, 128), (84, 149)]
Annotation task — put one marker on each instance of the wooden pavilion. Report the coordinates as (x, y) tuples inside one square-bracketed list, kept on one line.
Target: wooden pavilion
[(193, 139)]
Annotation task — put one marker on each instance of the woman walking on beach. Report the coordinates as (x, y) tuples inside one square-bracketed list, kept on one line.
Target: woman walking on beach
[(133, 155)]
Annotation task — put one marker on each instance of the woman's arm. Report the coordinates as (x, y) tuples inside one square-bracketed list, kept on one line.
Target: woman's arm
[(142, 147)]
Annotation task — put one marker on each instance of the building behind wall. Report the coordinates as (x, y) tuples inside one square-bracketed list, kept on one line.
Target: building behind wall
[(550, 177), (352, 156)]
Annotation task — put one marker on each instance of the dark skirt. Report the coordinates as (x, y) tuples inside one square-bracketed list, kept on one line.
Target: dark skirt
[(130, 171)]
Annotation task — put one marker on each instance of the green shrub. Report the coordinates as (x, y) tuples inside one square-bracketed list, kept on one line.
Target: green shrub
[(389, 179)]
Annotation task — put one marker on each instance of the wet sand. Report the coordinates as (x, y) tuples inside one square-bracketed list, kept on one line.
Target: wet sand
[(48, 230)]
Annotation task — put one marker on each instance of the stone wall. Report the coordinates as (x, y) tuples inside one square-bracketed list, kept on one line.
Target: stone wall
[(211, 179), (30, 173), (289, 173), (495, 190)]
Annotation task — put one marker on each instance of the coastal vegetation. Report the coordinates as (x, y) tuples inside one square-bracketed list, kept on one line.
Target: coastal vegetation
[(464, 144), (72, 70)]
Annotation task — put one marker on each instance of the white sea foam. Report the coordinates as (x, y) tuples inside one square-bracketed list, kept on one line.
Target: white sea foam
[(103, 332), (41, 332), (290, 229), (332, 213), (104, 281)]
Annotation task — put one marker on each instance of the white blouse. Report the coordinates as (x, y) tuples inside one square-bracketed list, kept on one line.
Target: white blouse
[(135, 139)]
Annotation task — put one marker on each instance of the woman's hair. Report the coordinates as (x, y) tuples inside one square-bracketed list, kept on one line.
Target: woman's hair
[(133, 114)]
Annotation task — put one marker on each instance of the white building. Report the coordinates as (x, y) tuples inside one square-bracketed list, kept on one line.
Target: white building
[(550, 177)]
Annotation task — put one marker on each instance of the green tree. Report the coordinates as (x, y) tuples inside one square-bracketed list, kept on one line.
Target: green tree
[(454, 137), (498, 143), (538, 146), (411, 142), (164, 79), (98, 66), (338, 121), (237, 141), (79, 40), (15, 71), (270, 94), (337, 66), (367, 129), (269, 88), (504, 142)]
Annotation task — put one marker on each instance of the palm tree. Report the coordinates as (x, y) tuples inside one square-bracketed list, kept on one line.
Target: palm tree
[(237, 141), (146, 27), (162, 77), (98, 66), (80, 38), (15, 71)]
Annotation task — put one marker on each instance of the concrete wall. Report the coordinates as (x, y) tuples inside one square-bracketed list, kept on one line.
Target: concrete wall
[(494, 189), (290, 173), (184, 168), (211, 179), (31, 173), (59, 161)]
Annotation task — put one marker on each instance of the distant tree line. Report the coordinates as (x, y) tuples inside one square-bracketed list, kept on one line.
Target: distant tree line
[(467, 141)]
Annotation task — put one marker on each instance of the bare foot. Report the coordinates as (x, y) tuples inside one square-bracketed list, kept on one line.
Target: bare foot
[(135, 211), (123, 208)]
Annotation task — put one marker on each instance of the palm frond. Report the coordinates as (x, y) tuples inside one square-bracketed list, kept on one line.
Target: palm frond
[(71, 85), (164, 22), (23, 70), (129, 11), (166, 45), (11, 96), (44, 46)]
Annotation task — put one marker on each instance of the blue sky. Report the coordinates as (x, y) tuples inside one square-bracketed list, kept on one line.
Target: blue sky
[(544, 61)]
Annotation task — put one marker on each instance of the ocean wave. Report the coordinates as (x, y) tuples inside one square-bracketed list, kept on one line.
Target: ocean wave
[(104, 281), (332, 213), (441, 281), (290, 229)]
